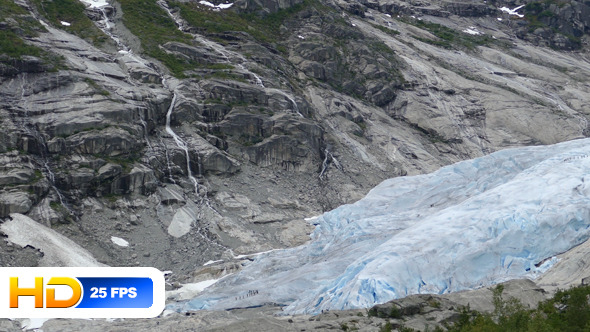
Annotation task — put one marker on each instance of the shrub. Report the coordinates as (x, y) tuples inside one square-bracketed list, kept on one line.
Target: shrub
[(568, 310), (152, 25), (71, 11)]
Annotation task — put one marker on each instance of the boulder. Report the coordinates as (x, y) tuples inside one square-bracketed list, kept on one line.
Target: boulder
[(14, 202)]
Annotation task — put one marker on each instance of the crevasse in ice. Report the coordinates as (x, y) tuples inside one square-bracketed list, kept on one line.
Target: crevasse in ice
[(467, 225)]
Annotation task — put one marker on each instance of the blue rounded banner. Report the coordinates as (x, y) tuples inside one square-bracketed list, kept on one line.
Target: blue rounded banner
[(116, 292)]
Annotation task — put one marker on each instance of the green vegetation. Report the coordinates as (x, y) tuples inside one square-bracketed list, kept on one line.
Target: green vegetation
[(262, 28), (62, 211), (9, 8), (449, 38), (387, 30), (152, 25), (434, 303), (27, 25), (13, 46), (568, 310), (11, 42), (250, 140), (224, 75), (387, 327), (539, 15), (55, 205), (71, 11), (112, 197), (393, 313), (38, 176), (97, 88), (126, 161)]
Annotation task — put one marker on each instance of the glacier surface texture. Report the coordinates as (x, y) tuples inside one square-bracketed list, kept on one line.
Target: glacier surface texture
[(467, 225)]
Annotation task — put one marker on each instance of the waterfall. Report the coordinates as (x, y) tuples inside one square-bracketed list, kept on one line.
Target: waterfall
[(145, 130), (217, 48), (284, 94), (181, 144), (329, 155)]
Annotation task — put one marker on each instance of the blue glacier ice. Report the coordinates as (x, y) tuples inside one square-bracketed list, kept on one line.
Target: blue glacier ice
[(467, 225)]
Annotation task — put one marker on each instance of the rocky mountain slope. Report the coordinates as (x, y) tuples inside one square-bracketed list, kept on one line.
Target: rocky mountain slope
[(198, 132)]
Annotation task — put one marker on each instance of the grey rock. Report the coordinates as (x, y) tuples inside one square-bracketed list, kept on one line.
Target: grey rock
[(110, 142), (14, 202), (264, 6), (9, 326), (171, 195), (109, 171), (16, 176), (142, 179), (199, 54), (465, 8)]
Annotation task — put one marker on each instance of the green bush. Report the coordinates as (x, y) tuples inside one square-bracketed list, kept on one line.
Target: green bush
[(71, 11), (152, 25), (11, 42), (568, 310), (13, 46), (387, 30), (449, 38), (263, 28)]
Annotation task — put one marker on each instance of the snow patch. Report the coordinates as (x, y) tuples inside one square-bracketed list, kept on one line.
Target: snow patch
[(33, 323), (95, 3), (499, 19), (473, 31), (225, 5), (512, 11), (57, 249), (220, 6), (119, 241), (213, 262), (311, 218), (189, 291), (254, 254), (167, 312)]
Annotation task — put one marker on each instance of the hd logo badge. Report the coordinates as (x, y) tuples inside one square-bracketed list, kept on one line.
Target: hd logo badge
[(81, 292)]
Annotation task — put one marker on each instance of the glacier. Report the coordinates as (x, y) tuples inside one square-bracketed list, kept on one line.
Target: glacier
[(471, 224)]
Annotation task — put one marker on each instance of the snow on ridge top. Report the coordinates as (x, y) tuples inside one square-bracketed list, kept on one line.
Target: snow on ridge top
[(95, 3), (220, 6), (467, 225), (512, 11), (225, 5)]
